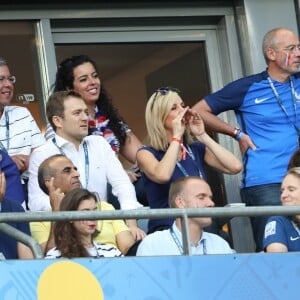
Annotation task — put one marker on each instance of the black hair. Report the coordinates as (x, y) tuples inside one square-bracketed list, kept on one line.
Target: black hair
[(64, 80)]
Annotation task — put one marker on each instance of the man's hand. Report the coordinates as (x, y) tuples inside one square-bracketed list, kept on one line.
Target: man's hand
[(133, 176), (22, 161), (55, 194), (2, 185), (138, 234), (245, 142)]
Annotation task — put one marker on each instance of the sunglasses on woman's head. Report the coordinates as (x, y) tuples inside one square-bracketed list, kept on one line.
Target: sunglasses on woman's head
[(164, 91)]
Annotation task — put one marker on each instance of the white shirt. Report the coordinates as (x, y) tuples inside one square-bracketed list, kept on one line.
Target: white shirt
[(164, 243), (103, 166), (22, 133)]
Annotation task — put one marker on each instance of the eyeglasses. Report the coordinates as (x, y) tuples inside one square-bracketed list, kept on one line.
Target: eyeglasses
[(12, 79), (164, 91), (292, 48)]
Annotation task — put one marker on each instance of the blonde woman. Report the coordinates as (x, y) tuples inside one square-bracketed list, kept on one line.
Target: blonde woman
[(179, 146), (282, 234)]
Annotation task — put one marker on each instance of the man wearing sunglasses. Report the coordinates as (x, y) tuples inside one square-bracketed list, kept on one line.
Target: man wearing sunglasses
[(267, 107), (19, 133)]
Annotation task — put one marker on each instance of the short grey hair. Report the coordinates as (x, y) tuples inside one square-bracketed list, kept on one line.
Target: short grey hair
[(271, 40)]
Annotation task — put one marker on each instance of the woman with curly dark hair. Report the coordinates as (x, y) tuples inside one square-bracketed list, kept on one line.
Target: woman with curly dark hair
[(75, 238), (80, 73)]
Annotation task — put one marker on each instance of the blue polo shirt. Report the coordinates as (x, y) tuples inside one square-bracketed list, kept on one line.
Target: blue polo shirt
[(260, 115), (281, 230)]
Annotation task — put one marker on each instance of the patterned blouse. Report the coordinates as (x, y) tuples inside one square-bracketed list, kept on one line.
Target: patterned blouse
[(99, 126), (99, 250)]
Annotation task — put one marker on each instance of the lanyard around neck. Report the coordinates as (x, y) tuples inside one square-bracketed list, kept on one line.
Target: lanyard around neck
[(86, 159), (191, 155), (179, 245), (296, 228), (280, 102), (176, 240)]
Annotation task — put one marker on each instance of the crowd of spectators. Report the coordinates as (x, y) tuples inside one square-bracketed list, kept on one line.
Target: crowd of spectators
[(76, 166)]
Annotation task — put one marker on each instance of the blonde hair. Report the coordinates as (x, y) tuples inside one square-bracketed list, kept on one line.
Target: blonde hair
[(158, 107), (295, 171), (178, 187)]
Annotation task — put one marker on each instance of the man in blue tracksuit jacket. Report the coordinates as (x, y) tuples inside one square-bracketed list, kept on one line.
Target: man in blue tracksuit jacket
[(267, 107)]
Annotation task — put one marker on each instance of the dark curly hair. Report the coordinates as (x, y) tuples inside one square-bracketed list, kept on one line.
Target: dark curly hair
[(65, 79)]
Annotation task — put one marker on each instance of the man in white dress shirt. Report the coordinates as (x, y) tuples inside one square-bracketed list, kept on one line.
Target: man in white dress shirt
[(186, 192), (93, 156)]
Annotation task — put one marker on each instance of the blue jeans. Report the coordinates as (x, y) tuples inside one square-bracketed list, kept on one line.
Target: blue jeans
[(260, 195)]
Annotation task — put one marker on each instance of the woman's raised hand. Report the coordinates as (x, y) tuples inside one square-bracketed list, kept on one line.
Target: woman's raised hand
[(179, 123), (196, 124)]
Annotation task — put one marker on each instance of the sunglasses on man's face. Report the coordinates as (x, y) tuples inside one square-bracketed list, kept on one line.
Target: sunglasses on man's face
[(164, 91)]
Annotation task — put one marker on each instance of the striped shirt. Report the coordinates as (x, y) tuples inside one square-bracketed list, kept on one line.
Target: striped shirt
[(98, 251), (19, 133)]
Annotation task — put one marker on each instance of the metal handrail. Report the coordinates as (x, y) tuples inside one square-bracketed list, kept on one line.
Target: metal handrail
[(184, 214), (23, 238), (150, 213)]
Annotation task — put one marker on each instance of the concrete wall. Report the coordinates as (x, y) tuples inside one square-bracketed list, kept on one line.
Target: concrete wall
[(254, 19)]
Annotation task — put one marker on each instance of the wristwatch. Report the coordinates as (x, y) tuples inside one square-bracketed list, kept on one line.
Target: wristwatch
[(238, 133)]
